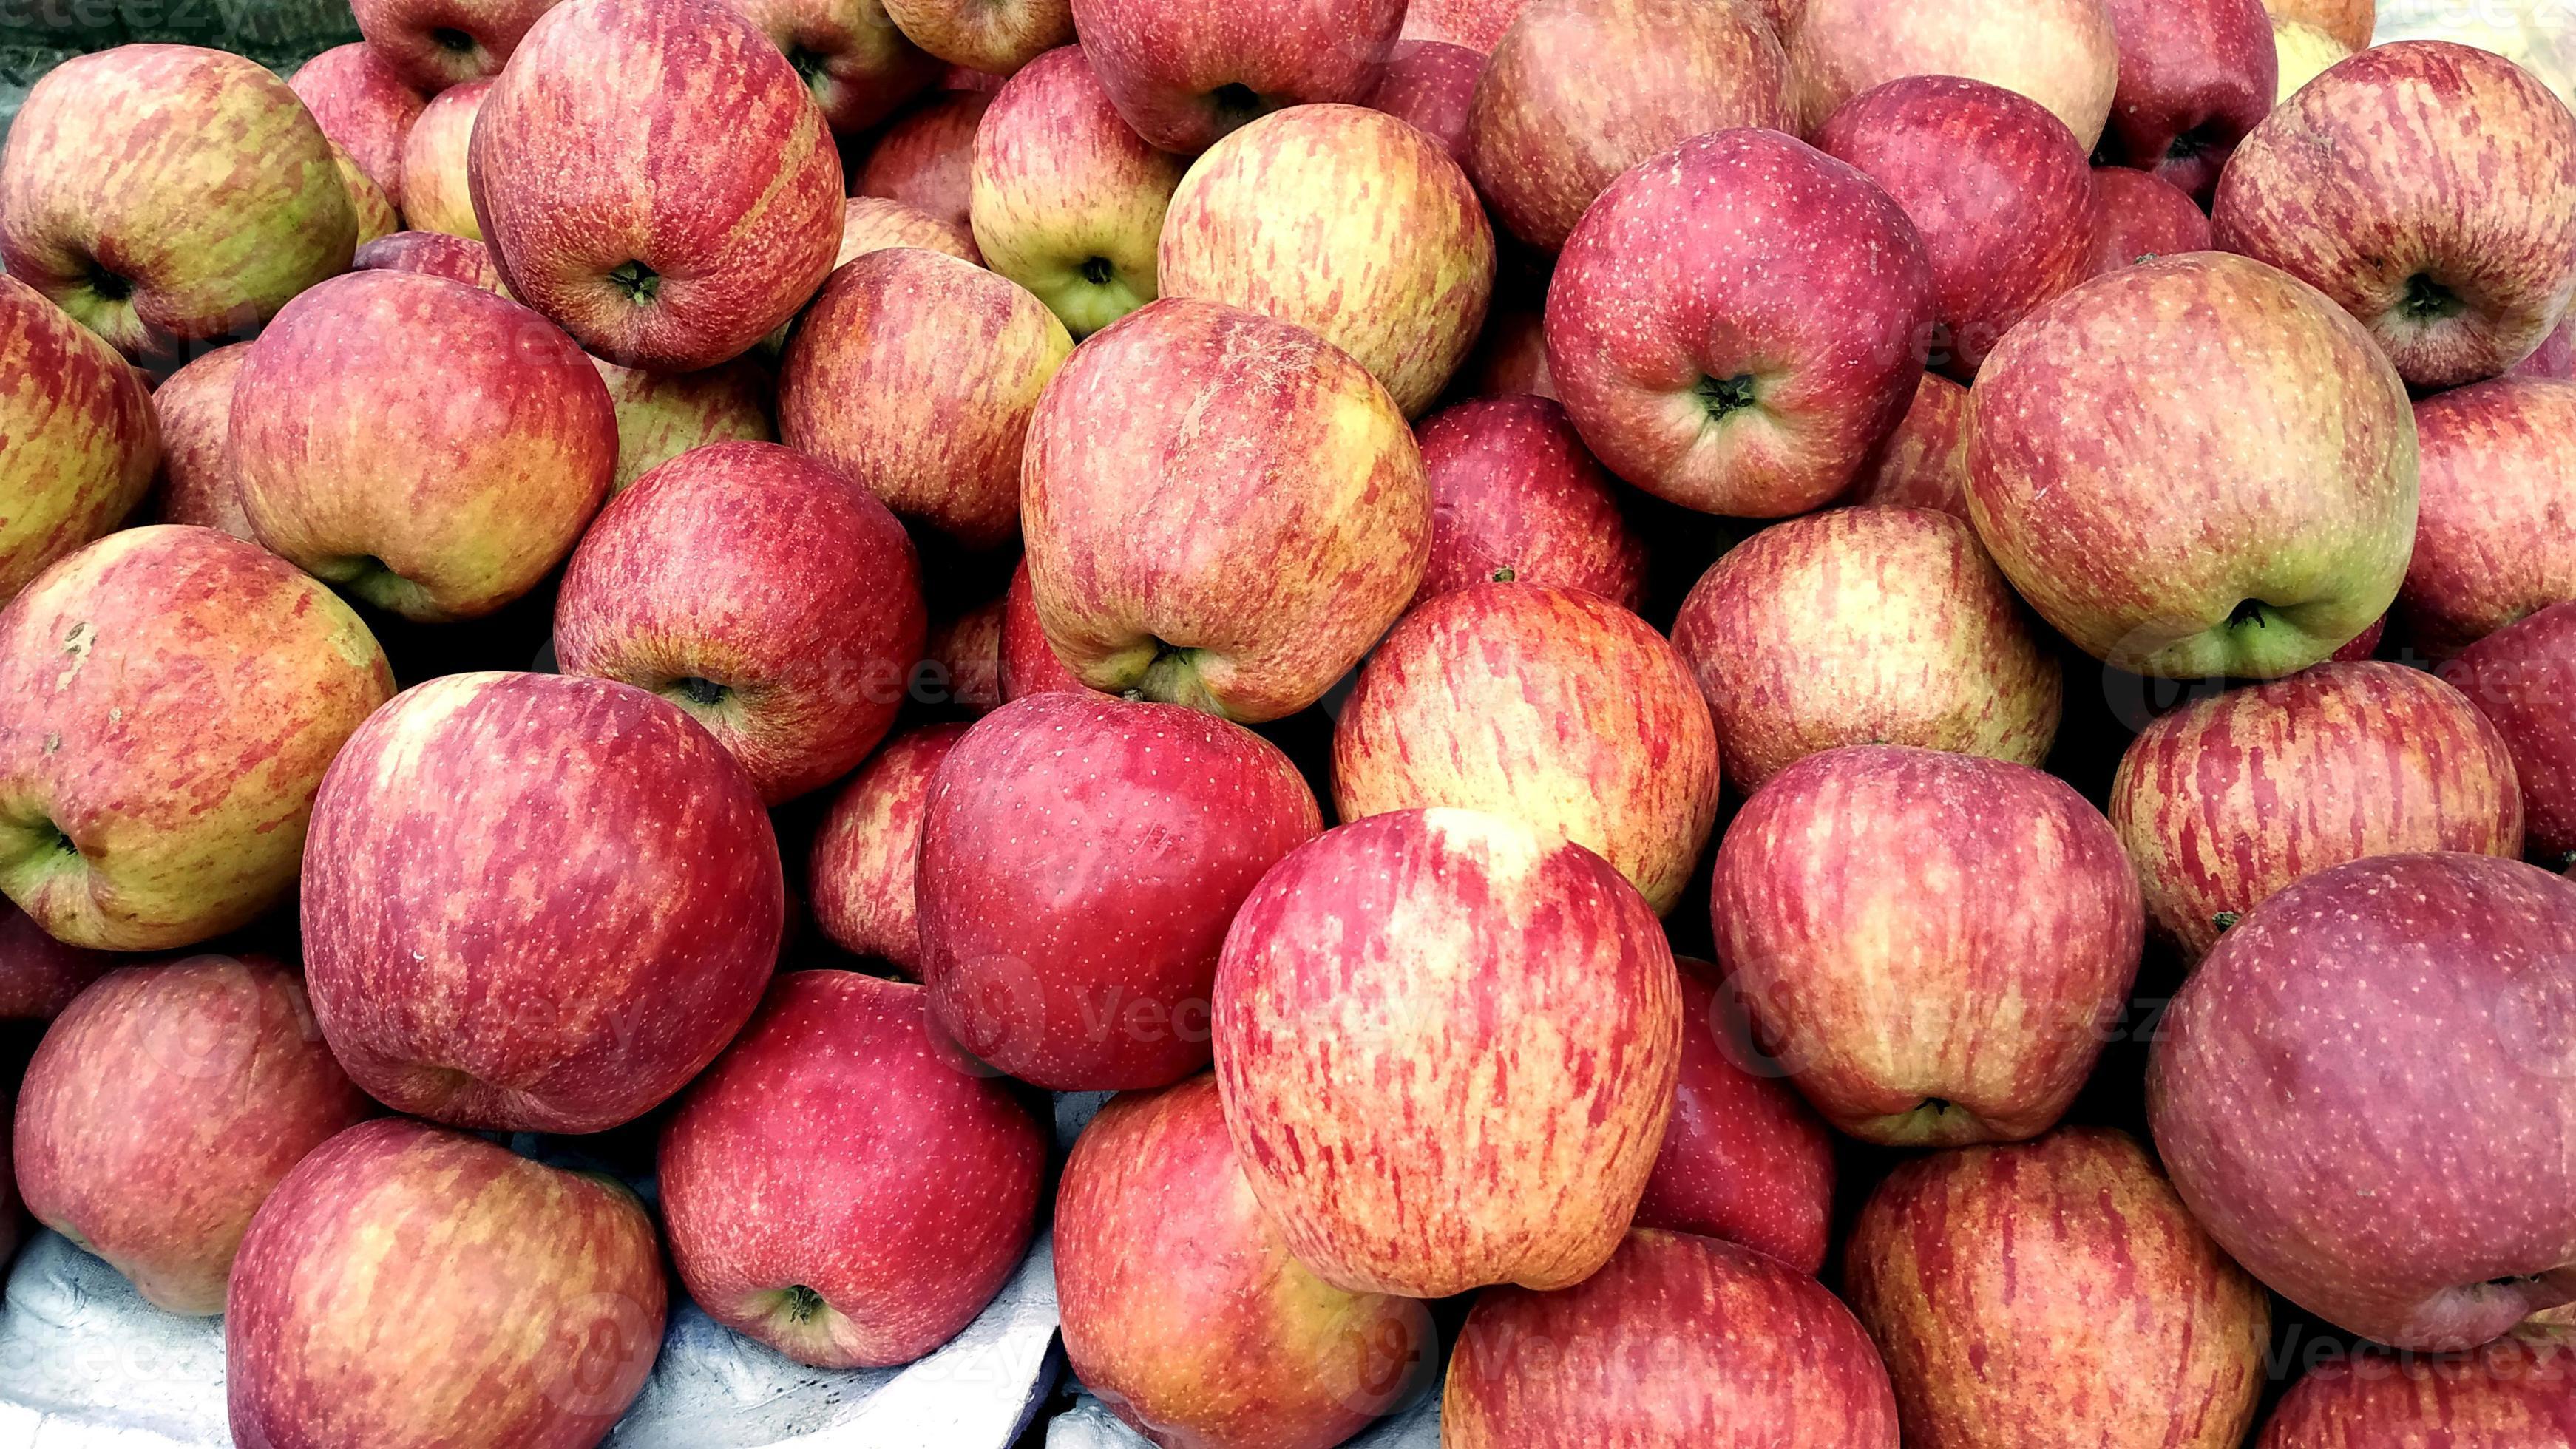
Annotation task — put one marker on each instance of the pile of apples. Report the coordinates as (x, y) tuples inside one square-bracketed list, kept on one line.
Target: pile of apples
[(1172, 571)]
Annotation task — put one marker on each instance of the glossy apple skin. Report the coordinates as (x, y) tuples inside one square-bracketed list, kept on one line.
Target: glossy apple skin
[(1744, 1157), (412, 37), (2349, 21), (2137, 215), (2055, 1292), (2430, 190), (430, 447), (1246, 579), (840, 1148), (2317, 1060), (39, 975), (874, 223), (169, 699), (1515, 496), (458, 259), (1737, 322), (856, 63), (1447, 1046), (2060, 53), (2495, 539), (1066, 199), (994, 39), (2521, 678), (1178, 69), (163, 1105), (1431, 84), (2518, 1390), (642, 920), (1994, 184), (1081, 858), (83, 435), (1553, 707), (1345, 221), (916, 374), (523, 1309), (661, 415), (364, 106), (1679, 1340), (2226, 800), (1860, 626), (924, 156), (763, 593), (1545, 136), (663, 134), (437, 184), (867, 855), (1882, 910), (2196, 467), (1183, 1308), (2195, 76), (1924, 463), (1027, 662)]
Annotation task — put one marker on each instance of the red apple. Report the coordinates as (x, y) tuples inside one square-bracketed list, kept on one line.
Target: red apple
[(412, 1288), (39, 975), (1680, 1340), (535, 903), (1028, 663), (195, 407), (162, 1107), (994, 37), (1545, 135), (1865, 626), (374, 210), (1924, 463), (854, 60), (1996, 186), (867, 855), (437, 189), (874, 223), (459, 259), (1185, 72), (1737, 322), (2055, 1292), (364, 106), (653, 176), (962, 659), (2060, 53), (840, 1188), (2195, 76), (1510, 356), (2351, 22), (2227, 800), (2430, 190), (1474, 24), (430, 447), (1431, 84), (2496, 538), (2139, 215), (923, 158), (1515, 496), (1447, 1045), (1284, 526), (2555, 358), (2511, 1392), (1183, 1309), (2195, 467), (1933, 944), (169, 699), (83, 438), (661, 415), (433, 45), (1081, 858), (2521, 678)]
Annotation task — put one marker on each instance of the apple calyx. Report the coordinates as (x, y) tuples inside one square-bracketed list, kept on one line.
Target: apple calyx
[(637, 281), (1173, 678), (695, 693), (1506, 574), (107, 285), (1099, 271), (451, 39), (1725, 395), (2427, 300), (1236, 105)]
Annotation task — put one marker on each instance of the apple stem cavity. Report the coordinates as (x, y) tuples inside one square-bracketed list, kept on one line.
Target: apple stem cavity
[(108, 285), (2250, 611), (703, 693), (800, 1303), (1098, 271), (1173, 678), (638, 281), (451, 39), (1722, 396), (2429, 301), (808, 64), (1235, 104)]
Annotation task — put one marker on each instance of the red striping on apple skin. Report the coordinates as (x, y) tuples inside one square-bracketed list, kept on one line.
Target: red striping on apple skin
[(2523, 678), (2195, 76), (2061, 53), (1185, 74), (2138, 215), (39, 975), (1924, 463), (364, 106), (1430, 84), (1475, 25), (925, 157), (855, 62), (988, 40), (2496, 537), (535, 902), (1447, 1047), (874, 223), (457, 258), (1737, 322), (2556, 356), (2226, 800), (1678, 1341), (862, 876), (83, 436), (195, 408), (841, 1146), (438, 194), (1933, 945), (661, 415), (1515, 496), (408, 1287), (413, 37), (1028, 663), (2366, 1091), (2516, 1391)]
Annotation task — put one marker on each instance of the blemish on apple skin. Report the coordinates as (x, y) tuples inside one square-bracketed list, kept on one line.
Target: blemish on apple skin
[(77, 643)]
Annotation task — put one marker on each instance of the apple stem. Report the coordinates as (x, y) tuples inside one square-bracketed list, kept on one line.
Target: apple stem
[(2224, 920)]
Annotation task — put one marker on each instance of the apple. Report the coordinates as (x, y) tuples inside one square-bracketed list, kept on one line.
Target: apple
[(1737, 322), (1081, 858), (1679, 1340), (459, 259), (433, 45), (1549, 706), (367, 201), (1545, 135), (961, 660), (996, 37), (858, 66), (364, 106), (2555, 357), (2195, 76), (1432, 85), (2503, 1394), (1066, 199), (166, 195), (1996, 186), (2448, 227), (2195, 467), (1744, 1157), (39, 975), (2055, 1292), (874, 223), (1933, 944), (430, 447), (2228, 799), (1924, 463), (535, 903), (839, 1188), (661, 415), (1510, 356), (666, 226), (1183, 1308), (83, 437), (1027, 662), (1185, 72), (2139, 215), (407, 1287), (916, 374), (195, 408), (437, 188), (2063, 54), (1447, 1046), (2362, 1091), (2495, 539), (2350, 22), (169, 699), (1476, 25), (1515, 496), (2521, 678), (1865, 626), (1284, 526), (133, 1089), (2303, 53), (924, 156), (867, 853)]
